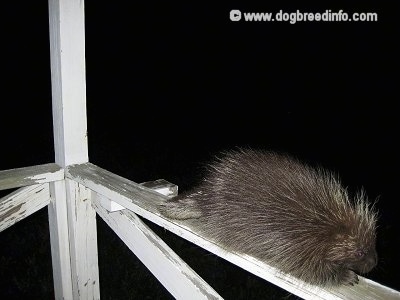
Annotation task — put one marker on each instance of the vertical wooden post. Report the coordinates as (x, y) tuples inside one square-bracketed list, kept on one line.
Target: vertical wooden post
[(72, 218), (83, 241), (58, 226)]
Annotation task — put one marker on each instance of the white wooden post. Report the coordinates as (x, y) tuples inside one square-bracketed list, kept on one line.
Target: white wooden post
[(72, 221), (60, 256), (83, 241)]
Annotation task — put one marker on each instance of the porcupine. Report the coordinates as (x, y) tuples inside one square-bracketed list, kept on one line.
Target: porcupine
[(285, 213)]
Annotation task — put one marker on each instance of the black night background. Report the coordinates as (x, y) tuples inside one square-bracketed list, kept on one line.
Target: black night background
[(169, 86)]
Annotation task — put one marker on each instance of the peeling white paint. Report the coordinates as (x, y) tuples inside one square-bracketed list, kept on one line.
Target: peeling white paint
[(22, 203), (30, 175)]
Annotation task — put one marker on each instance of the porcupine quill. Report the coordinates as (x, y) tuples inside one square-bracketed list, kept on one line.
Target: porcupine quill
[(289, 215)]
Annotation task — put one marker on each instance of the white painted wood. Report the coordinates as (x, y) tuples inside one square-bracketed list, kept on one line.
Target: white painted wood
[(114, 187), (176, 276), (110, 205), (143, 201), (60, 254), (160, 186), (30, 175), (67, 52), (22, 203), (83, 242)]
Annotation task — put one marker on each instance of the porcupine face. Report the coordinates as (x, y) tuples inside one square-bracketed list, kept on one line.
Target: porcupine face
[(355, 250), (362, 256)]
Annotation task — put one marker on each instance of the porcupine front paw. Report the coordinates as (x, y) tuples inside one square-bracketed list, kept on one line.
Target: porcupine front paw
[(349, 278)]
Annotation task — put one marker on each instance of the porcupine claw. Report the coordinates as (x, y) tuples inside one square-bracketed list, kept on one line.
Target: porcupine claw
[(350, 278)]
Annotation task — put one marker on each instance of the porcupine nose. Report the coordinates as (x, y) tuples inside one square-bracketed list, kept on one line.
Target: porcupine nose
[(370, 261)]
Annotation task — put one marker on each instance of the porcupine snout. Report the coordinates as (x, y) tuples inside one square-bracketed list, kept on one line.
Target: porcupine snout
[(369, 262)]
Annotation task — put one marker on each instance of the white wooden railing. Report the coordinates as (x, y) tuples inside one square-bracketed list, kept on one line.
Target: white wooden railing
[(75, 190)]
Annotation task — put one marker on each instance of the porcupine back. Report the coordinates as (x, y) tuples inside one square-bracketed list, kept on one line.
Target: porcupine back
[(283, 212)]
